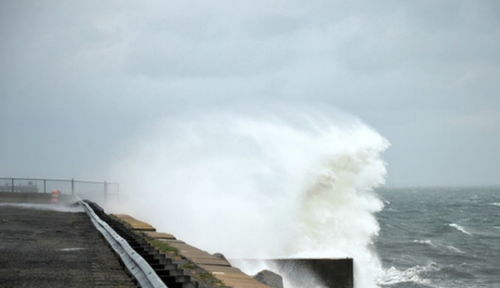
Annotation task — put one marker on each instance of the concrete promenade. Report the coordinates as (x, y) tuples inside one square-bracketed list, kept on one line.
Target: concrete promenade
[(56, 245), (47, 248)]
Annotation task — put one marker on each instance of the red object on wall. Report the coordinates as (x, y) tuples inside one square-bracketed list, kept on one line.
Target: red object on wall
[(55, 196)]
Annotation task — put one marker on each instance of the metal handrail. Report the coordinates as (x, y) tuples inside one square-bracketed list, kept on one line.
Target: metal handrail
[(94, 190), (11, 181), (57, 180), (137, 266)]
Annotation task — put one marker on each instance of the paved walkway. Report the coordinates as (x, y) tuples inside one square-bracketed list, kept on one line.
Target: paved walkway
[(43, 248)]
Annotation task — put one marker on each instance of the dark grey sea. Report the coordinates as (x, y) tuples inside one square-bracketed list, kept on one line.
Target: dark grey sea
[(440, 237)]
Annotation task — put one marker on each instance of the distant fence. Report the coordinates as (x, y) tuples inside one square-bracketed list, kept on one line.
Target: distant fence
[(93, 190)]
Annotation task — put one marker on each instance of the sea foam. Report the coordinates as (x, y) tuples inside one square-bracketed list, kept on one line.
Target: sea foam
[(439, 246), (393, 276), (459, 228)]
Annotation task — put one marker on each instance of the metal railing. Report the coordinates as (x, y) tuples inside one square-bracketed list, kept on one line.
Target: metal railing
[(136, 265), (92, 190)]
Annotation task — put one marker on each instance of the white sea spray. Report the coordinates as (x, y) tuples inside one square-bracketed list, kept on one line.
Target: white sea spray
[(261, 186)]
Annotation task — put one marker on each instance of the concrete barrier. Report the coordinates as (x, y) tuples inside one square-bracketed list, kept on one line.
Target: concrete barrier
[(336, 273)]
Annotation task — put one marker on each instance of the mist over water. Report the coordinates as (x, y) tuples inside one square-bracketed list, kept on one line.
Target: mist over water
[(257, 185)]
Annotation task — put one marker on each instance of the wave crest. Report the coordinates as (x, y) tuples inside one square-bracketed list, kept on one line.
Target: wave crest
[(459, 228), (439, 246)]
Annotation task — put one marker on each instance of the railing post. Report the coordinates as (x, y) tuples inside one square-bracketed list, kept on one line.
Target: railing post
[(44, 185), (12, 185), (72, 186), (105, 191)]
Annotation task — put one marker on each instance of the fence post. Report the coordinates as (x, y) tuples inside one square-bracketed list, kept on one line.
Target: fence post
[(105, 191), (72, 186), (12, 185), (44, 185)]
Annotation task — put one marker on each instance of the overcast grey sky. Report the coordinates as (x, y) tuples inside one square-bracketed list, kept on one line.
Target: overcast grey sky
[(79, 79)]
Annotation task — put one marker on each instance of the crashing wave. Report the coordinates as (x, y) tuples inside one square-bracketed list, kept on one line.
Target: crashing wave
[(299, 185)]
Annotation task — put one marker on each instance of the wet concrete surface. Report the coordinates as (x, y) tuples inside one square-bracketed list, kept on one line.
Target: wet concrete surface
[(44, 248)]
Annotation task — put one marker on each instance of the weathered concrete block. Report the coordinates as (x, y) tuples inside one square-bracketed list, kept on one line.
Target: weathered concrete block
[(269, 278)]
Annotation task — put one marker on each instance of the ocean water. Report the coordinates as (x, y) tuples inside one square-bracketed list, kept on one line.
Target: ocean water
[(440, 237), (301, 185)]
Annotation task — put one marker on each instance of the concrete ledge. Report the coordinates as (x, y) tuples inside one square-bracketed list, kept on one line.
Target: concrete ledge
[(233, 277), (134, 223), (159, 235), (331, 272)]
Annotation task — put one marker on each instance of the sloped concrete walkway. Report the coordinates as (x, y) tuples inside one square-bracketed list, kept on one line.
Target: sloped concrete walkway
[(44, 248)]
